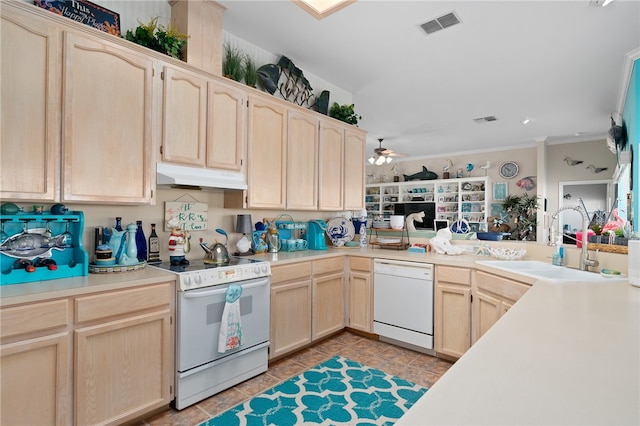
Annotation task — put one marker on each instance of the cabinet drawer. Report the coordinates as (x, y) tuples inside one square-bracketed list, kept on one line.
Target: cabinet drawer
[(324, 266), (91, 308), (35, 317), (290, 272), (504, 287), (453, 274), (361, 264)]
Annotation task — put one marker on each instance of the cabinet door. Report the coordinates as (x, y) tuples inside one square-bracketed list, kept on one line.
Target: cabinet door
[(453, 319), (226, 137), (123, 368), (107, 105), (184, 117), (266, 174), (361, 301), (354, 153), (290, 317), (330, 167), (302, 149), (487, 311), (35, 379), (328, 305), (30, 104)]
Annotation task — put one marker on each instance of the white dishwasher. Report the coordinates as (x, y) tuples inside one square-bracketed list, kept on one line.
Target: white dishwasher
[(403, 302)]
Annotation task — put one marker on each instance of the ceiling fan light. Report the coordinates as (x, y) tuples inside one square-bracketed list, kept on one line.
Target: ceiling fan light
[(380, 161), (371, 160), (389, 159)]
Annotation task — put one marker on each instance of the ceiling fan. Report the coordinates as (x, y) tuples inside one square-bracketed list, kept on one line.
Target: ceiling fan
[(383, 155)]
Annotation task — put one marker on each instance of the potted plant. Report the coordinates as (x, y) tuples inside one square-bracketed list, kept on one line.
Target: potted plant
[(167, 40), (232, 61), (250, 71), (344, 113), (597, 229)]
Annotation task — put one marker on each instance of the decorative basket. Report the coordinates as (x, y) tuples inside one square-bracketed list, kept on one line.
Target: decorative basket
[(507, 253)]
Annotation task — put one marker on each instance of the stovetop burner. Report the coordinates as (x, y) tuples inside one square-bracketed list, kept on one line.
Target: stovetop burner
[(198, 265)]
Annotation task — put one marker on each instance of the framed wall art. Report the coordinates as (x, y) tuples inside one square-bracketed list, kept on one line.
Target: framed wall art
[(500, 191)]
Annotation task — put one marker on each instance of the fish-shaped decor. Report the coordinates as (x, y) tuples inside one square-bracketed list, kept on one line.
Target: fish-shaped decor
[(526, 183), (28, 245), (423, 175)]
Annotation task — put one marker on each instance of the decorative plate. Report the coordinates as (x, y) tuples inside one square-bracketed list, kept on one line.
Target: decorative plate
[(508, 169), (340, 230), (460, 227)]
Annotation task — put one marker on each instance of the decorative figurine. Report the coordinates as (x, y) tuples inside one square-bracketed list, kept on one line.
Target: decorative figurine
[(179, 244)]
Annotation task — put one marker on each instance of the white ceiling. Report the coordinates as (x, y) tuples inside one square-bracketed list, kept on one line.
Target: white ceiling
[(558, 63)]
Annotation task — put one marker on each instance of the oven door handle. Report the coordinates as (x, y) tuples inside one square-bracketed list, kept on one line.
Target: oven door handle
[(197, 294)]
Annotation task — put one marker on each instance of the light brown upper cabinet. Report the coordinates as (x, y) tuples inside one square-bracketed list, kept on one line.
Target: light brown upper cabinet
[(184, 117), (302, 163), (107, 110), (266, 163), (30, 65), (354, 153), (331, 166), (226, 126)]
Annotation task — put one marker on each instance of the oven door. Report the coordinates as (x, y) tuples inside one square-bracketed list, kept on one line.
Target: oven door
[(200, 314)]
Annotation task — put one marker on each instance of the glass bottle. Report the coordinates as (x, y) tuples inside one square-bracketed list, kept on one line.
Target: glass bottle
[(141, 242), (119, 224), (154, 245)]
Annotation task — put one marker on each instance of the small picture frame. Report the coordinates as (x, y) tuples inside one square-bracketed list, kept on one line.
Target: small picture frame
[(438, 224), (500, 191)]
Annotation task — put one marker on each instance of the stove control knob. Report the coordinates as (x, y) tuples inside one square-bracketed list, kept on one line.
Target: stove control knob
[(198, 279), (186, 281), (256, 269), (265, 269)]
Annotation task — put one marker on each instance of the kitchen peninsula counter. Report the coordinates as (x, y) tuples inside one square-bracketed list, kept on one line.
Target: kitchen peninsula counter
[(566, 353)]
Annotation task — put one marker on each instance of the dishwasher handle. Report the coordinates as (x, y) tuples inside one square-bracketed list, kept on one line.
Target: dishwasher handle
[(403, 269)]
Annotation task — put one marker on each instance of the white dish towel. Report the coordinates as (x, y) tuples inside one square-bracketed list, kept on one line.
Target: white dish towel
[(230, 325)]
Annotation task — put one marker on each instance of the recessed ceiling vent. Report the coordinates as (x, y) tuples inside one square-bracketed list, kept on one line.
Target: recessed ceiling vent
[(445, 21), (486, 119)]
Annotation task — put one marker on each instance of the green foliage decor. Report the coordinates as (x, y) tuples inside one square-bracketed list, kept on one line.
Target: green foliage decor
[(167, 40), (345, 113), (523, 210), (232, 63), (250, 71)]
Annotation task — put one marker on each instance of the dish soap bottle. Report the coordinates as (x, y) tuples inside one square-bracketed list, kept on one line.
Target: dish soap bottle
[(558, 257)]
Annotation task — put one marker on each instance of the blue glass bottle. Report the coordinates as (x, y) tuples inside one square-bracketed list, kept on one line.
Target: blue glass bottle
[(119, 224), (141, 242)]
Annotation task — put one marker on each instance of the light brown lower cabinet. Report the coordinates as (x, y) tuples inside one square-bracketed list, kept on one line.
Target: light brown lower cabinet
[(35, 364), (115, 349), (494, 296), (327, 297), (360, 294), (307, 303), (453, 310), (290, 308)]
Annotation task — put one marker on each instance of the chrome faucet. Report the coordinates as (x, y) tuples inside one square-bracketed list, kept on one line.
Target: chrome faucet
[(585, 262)]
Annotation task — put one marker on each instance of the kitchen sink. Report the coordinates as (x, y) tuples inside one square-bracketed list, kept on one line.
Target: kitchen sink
[(542, 270)]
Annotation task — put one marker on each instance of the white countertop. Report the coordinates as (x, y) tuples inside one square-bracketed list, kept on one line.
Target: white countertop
[(566, 353)]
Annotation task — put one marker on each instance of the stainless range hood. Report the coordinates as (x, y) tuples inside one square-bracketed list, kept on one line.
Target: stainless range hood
[(171, 174)]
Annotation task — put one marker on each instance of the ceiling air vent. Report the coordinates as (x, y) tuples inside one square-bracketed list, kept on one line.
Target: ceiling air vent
[(445, 21), (486, 119)]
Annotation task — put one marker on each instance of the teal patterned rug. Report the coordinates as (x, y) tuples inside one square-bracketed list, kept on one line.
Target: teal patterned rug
[(337, 392)]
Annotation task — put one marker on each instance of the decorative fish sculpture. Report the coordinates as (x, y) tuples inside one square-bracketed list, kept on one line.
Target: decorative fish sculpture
[(526, 183), (29, 246), (423, 175)]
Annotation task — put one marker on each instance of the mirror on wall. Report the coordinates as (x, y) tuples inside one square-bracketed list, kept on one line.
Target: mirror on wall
[(596, 197)]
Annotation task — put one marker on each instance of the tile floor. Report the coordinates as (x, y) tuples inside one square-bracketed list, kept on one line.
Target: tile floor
[(419, 368)]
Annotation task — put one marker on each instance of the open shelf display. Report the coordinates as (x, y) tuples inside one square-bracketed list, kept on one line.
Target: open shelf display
[(454, 199)]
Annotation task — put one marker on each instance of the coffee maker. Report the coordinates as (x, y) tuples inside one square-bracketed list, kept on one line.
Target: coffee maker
[(315, 235)]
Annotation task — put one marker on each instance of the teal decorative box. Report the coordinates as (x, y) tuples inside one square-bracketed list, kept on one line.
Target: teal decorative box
[(32, 240)]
